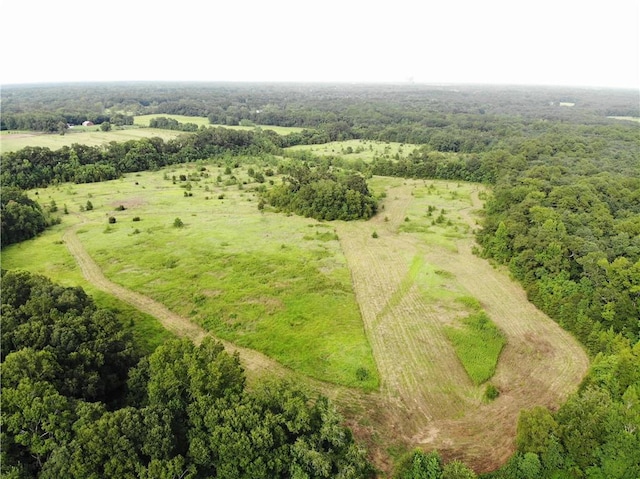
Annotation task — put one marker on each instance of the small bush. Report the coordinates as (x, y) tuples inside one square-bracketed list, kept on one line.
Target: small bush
[(89, 206), (491, 392), (120, 208), (112, 220), (374, 234), (177, 223), (136, 218), (362, 374)]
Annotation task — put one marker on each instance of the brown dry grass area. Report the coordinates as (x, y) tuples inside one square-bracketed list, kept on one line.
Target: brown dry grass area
[(426, 398)]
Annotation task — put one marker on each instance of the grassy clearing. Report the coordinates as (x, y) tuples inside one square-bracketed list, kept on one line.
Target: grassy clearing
[(626, 118), (47, 255), (273, 283), (143, 120), (91, 136), (364, 150), (478, 343)]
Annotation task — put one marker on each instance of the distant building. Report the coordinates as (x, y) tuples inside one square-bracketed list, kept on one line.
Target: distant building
[(87, 123)]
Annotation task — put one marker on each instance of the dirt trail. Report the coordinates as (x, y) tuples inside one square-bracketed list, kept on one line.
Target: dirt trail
[(253, 361)]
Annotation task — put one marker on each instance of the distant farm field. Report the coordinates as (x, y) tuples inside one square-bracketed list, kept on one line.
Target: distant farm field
[(365, 150), (382, 315), (91, 137), (143, 120)]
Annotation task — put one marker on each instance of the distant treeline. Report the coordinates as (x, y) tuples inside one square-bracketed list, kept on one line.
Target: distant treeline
[(56, 122), (310, 105)]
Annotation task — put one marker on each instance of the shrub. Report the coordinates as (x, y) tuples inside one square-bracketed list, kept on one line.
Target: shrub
[(374, 234), (112, 220), (89, 206), (136, 218), (120, 208), (177, 223), (491, 392)]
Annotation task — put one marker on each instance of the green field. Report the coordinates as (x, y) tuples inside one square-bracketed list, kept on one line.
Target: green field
[(143, 120), (47, 255), (478, 344), (365, 150), (91, 136), (266, 281)]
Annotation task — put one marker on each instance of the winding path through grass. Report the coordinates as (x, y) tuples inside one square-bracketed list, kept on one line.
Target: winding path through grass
[(252, 360), (426, 398)]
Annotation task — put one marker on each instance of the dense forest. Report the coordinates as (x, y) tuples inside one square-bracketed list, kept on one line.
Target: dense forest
[(79, 400), (563, 217)]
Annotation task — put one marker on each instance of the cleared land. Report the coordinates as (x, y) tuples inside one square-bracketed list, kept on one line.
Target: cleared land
[(364, 150), (93, 136), (143, 120), (411, 283), (435, 402), (84, 136)]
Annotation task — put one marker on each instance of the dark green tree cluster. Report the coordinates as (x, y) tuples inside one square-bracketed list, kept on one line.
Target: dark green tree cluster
[(75, 404), (320, 194), (427, 163), (574, 242), (21, 217), (594, 434), (420, 465), (171, 124)]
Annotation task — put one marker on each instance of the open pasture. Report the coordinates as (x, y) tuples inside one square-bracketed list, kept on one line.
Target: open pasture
[(273, 283), (90, 136), (143, 121), (364, 150), (369, 315)]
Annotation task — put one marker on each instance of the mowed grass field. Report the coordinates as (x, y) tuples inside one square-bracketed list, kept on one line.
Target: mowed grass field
[(143, 121), (91, 136)]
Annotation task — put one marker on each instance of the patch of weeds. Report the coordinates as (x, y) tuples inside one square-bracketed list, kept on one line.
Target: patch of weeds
[(362, 374), (478, 344), (491, 392), (170, 263)]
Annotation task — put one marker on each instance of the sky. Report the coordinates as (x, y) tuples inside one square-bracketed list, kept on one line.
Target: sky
[(560, 42)]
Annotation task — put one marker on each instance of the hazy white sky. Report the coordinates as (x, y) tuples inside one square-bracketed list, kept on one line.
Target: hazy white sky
[(560, 42)]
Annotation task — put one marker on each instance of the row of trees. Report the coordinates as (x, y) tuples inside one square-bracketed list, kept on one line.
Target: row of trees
[(79, 401), (171, 124), (33, 167), (54, 122)]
